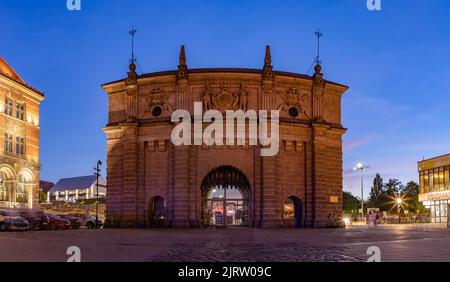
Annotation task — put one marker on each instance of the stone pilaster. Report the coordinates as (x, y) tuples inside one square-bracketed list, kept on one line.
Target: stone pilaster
[(327, 177), (271, 202), (130, 181), (181, 211)]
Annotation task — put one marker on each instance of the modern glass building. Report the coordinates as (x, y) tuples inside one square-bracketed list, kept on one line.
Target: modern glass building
[(435, 187)]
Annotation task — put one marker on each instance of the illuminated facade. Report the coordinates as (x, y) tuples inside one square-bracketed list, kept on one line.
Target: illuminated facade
[(19, 141), (152, 182), (435, 187)]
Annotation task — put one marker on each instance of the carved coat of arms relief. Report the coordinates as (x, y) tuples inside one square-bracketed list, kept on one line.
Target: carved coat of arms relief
[(293, 98), (223, 99), (158, 97)]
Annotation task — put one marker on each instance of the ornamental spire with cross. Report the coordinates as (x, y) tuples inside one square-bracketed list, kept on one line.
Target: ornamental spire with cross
[(318, 35), (132, 32), (132, 75)]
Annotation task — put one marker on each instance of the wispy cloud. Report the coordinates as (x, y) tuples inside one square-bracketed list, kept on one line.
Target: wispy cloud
[(355, 143)]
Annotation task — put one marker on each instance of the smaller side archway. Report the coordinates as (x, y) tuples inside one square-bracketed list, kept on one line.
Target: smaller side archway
[(293, 212), (7, 179), (157, 211), (25, 186)]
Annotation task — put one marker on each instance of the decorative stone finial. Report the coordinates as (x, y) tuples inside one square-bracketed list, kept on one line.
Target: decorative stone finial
[(182, 56), (182, 67), (318, 75), (267, 70), (132, 75), (268, 57)]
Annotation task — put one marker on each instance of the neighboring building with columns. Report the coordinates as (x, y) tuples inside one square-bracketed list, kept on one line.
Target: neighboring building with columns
[(19, 141), (152, 182)]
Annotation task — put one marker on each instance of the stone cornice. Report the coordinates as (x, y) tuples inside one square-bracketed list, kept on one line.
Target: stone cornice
[(26, 90)]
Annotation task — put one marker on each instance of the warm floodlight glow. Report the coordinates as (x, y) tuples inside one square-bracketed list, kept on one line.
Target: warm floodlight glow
[(347, 221)]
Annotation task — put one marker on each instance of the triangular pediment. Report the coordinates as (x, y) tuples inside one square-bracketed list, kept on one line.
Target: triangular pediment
[(8, 71)]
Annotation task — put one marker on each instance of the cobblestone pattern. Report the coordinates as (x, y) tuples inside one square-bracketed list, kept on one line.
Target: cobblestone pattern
[(250, 252)]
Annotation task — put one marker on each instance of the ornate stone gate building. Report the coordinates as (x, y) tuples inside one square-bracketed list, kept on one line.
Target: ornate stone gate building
[(152, 182)]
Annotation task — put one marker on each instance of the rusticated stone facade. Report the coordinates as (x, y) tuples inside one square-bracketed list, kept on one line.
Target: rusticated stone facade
[(146, 172)]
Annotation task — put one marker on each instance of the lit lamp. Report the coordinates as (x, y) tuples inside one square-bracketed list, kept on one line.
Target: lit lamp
[(361, 168), (347, 221)]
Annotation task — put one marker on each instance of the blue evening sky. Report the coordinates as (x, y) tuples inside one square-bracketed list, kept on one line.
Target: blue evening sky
[(396, 62)]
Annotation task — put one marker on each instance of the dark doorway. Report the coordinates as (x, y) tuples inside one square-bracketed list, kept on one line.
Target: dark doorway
[(157, 212)]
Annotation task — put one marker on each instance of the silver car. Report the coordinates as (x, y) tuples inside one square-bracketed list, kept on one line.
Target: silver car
[(12, 222), (87, 220)]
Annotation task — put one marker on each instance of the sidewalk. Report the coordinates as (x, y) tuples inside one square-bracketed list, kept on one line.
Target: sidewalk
[(404, 226)]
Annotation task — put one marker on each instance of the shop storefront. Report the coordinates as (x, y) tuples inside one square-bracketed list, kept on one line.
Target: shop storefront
[(435, 187), (438, 210)]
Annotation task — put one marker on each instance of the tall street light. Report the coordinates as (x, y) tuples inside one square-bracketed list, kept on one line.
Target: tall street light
[(97, 171), (361, 168), (399, 202)]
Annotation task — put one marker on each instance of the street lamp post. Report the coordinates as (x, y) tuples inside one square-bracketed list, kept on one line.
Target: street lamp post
[(97, 171), (361, 168), (399, 205)]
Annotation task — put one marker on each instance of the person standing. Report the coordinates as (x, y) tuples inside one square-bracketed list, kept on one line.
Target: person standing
[(370, 220)]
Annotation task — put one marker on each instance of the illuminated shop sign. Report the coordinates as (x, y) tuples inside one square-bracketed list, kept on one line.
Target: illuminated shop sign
[(435, 196)]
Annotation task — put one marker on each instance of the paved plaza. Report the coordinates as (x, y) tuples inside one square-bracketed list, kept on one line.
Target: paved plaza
[(396, 242)]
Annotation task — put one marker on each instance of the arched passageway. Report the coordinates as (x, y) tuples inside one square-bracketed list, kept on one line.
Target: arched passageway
[(225, 198)]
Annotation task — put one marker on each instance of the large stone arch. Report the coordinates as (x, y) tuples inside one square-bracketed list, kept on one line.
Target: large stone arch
[(217, 156), (228, 178)]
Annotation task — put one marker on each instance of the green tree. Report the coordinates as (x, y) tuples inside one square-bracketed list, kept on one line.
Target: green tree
[(351, 203), (393, 187), (411, 196), (42, 197), (377, 190)]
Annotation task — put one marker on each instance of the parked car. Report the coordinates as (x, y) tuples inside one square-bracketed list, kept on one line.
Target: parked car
[(10, 221), (57, 222), (75, 222), (37, 220), (87, 220)]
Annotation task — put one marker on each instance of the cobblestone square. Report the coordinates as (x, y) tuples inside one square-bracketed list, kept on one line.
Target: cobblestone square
[(396, 242)]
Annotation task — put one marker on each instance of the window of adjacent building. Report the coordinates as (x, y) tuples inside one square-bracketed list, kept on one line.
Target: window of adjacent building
[(431, 179), (436, 179), (447, 178), (20, 111), (9, 106), (441, 179), (426, 180), (8, 143), (3, 189), (20, 146), (21, 195), (422, 182)]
